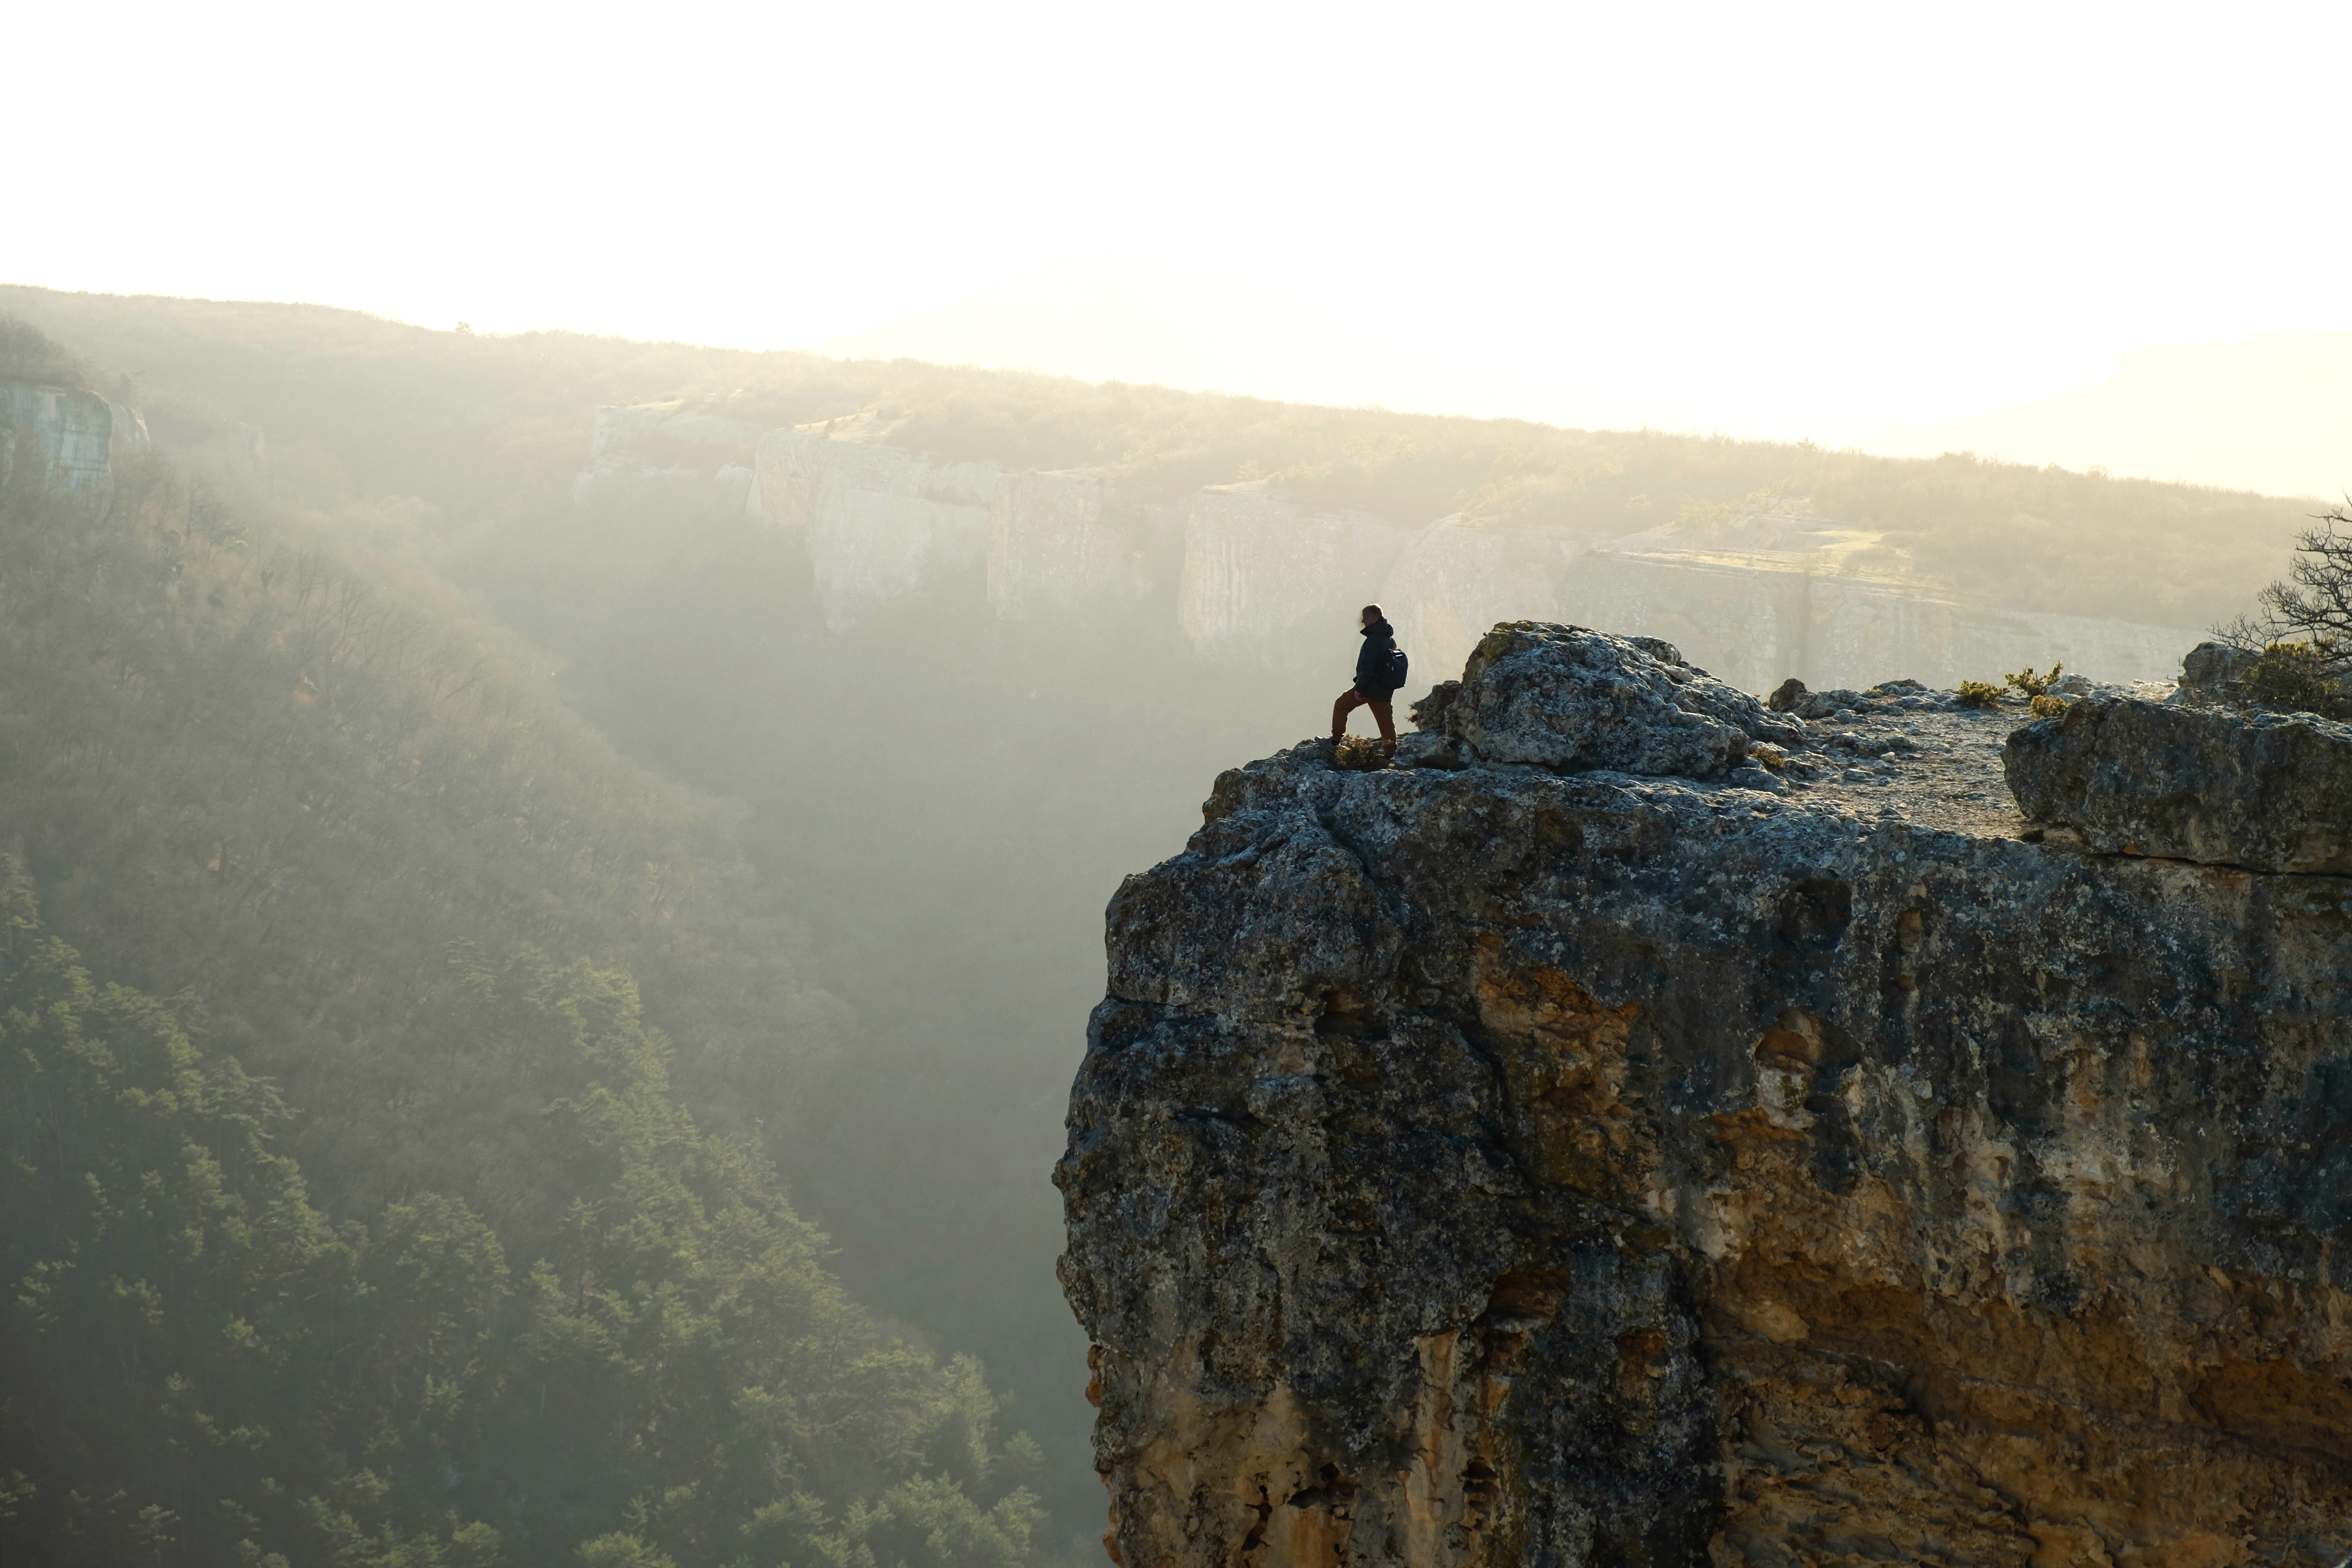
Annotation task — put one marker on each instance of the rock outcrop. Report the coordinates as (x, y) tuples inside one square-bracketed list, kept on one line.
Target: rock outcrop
[(71, 441), (1485, 1163), (2269, 792), (1571, 699), (2215, 672)]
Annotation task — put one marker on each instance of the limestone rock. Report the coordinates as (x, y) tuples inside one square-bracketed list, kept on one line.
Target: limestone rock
[(1572, 700), (2214, 672), (1074, 547), (67, 440), (1456, 578), (1252, 574), (2271, 792), (1477, 1164), (1260, 569), (880, 523), (1755, 616), (665, 465), (1791, 696)]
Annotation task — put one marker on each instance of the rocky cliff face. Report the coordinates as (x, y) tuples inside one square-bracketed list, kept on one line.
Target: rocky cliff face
[(1073, 547), (1258, 568), (67, 439), (1544, 1156), (1756, 619), (665, 464), (1250, 574), (880, 523)]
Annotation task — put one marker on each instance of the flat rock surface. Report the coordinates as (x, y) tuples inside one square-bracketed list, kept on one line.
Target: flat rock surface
[(1916, 756), (2271, 792), (1934, 764)]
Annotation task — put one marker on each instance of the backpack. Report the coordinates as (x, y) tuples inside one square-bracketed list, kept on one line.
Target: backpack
[(1397, 665)]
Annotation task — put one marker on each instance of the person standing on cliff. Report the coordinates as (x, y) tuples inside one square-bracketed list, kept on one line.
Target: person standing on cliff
[(1379, 673)]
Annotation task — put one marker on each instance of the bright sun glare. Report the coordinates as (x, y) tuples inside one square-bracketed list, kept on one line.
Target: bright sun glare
[(1821, 221)]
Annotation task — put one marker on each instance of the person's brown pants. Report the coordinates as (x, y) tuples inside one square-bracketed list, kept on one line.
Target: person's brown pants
[(1382, 715)]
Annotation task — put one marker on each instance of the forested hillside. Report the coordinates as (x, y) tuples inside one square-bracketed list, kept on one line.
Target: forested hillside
[(352, 1211)]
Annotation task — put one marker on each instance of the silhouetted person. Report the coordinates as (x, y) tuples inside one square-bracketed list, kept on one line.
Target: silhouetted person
[(1376, 681)]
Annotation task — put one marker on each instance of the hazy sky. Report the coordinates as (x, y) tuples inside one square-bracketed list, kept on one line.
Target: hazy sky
[(1790, 220)]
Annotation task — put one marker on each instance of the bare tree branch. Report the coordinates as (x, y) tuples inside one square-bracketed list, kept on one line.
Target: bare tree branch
[(2314, 606)]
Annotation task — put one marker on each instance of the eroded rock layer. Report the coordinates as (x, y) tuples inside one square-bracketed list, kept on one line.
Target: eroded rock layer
[(1496, 1164), (68, 440), (2271, 792), (1249, 573)]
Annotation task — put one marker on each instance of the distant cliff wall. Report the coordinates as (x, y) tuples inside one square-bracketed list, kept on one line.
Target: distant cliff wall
[(1758, 621), (1754, 618), (880, 523), (1260, 571), (1455, 579), (1248, 573), (69, 440), (667, 465), (1074, 547)]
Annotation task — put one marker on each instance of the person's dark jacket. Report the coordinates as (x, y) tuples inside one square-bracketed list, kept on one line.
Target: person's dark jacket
[(1373, 664)]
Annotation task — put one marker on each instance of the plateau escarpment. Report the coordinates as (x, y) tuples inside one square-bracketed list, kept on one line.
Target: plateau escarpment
[(1249, 573), (1587, 1145), (64, 440)]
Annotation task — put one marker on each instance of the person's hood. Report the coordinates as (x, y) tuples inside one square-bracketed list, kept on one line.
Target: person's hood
[(1377, 629)]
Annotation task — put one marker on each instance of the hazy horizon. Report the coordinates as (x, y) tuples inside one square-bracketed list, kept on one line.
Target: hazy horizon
[(2253, 414), (1764, 226)]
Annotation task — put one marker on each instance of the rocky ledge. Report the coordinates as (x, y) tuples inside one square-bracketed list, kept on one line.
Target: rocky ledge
[(1529, 1161), (2271, 792)]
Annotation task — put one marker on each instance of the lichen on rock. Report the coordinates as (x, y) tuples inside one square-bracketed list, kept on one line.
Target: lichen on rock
[(2272, 792), (1549, 1163), (1569, 699)]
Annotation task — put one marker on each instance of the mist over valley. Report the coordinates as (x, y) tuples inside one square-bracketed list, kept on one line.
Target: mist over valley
[(556, 882)]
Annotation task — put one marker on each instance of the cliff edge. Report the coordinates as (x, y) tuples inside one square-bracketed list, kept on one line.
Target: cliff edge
[(1588, 1145)]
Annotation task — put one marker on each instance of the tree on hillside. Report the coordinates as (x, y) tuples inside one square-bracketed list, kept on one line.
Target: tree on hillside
[(2302, 627), (28, 355), (199, 1366)]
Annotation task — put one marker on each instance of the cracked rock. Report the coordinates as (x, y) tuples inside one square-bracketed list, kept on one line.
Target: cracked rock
[(1478, 1162), (2270, 791), (1571, 701)]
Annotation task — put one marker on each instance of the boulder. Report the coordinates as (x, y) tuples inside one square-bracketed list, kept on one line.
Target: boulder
[(1791, 696), (2215, 672), (1570, 700), (2270, 791)]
